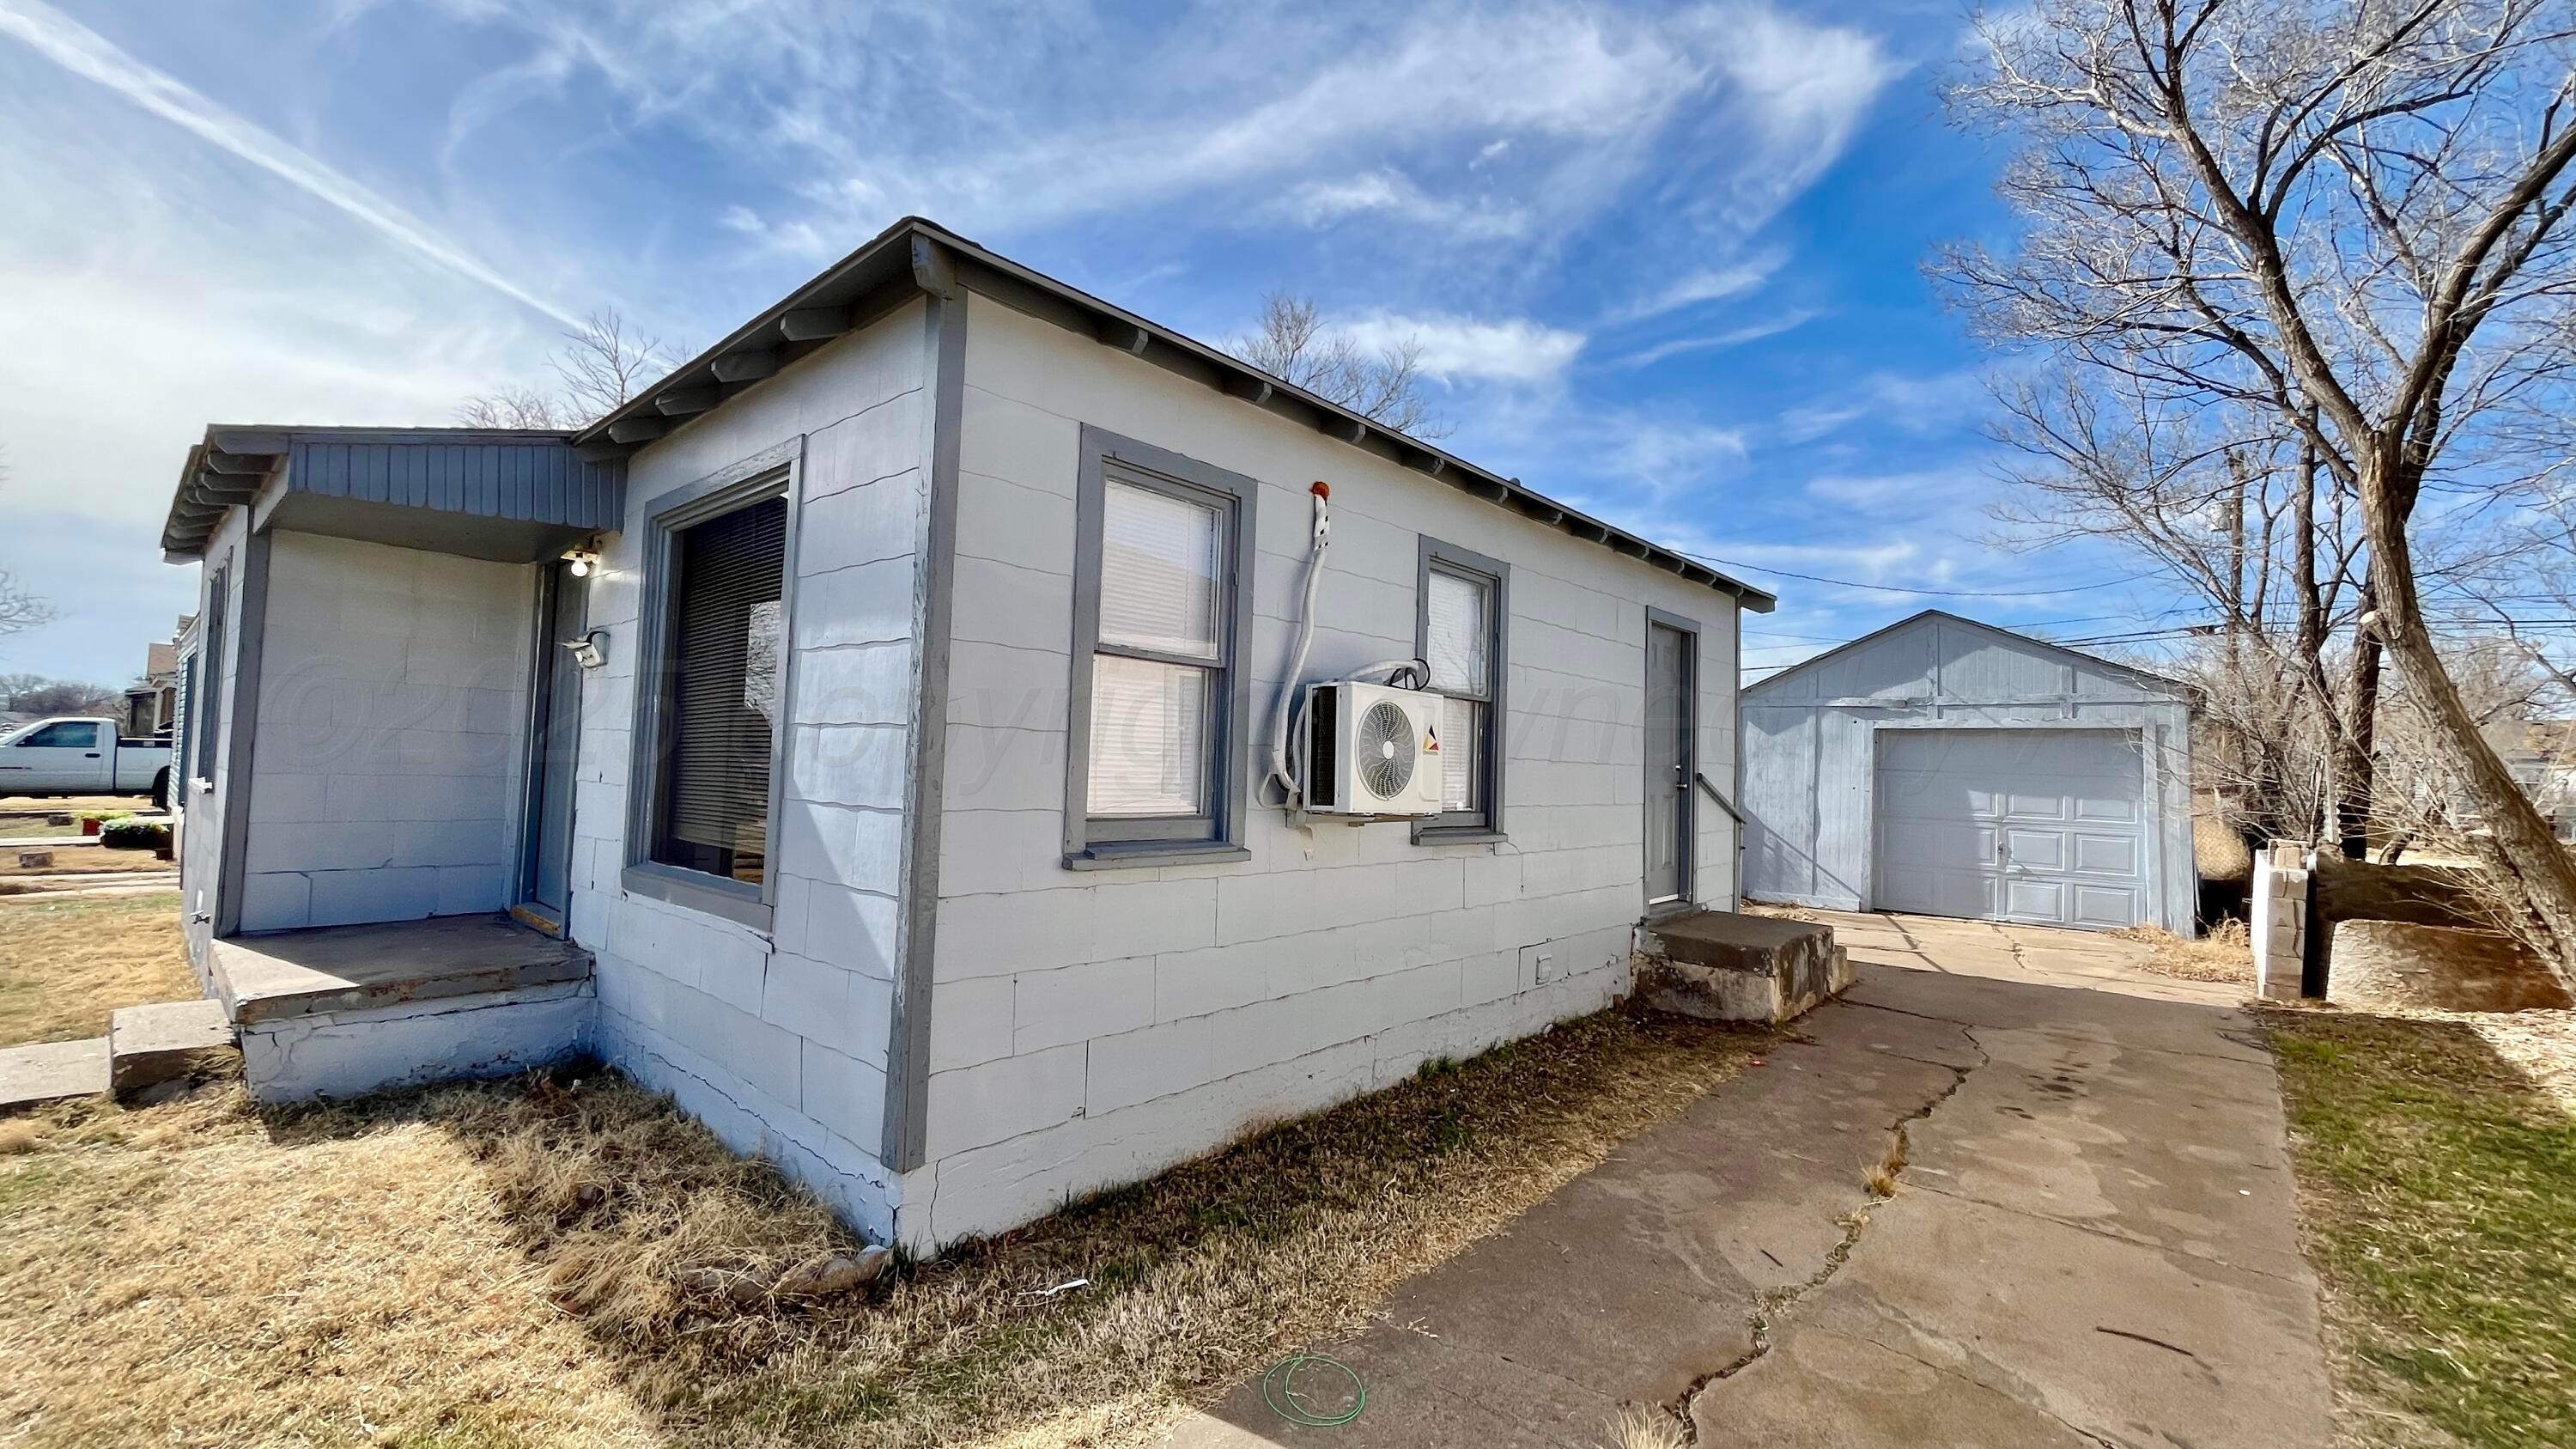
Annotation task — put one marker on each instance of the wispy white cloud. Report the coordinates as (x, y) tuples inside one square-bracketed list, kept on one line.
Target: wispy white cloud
[(83, 52), (1516, 351), (1707, 284), (788, 238), (1391, 193), (1717, 341), (1917, 405)]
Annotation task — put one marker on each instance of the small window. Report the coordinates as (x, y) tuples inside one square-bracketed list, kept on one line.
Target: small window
[(711, 703), (726, 600), (1459, 631), (62, 735), (1160, 596)]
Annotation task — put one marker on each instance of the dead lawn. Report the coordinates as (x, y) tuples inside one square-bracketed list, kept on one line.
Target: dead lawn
[(66, 963), (499, 1266), (77, 857), (2226, 954)]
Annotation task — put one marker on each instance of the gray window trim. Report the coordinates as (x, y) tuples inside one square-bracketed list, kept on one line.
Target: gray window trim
[(1687, 868), (1437, 556), (773, 473), (1091, 844)]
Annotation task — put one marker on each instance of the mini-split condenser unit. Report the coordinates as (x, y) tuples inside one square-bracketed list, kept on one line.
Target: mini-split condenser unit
[(1372, 750)]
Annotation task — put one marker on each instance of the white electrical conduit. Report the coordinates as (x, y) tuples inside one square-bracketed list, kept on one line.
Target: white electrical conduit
[(1288, 720)]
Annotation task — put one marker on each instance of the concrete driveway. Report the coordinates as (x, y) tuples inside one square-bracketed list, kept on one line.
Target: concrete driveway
[(2093, 1241)]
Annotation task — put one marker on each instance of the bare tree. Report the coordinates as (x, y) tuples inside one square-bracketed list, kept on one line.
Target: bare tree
[(33, 694), (2347, 216), (20, 608), (600, 365), (1294, 344)]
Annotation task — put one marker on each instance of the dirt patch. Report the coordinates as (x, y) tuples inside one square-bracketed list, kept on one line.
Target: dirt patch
[(510, 1265), (66, 964), (2396, 964), (85, 858)]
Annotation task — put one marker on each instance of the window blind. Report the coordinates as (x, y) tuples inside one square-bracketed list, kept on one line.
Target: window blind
[(218, 603), (1160, 560), (725, 655)]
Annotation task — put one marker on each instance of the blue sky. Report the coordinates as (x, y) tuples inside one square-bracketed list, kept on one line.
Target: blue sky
[(1664, 262)]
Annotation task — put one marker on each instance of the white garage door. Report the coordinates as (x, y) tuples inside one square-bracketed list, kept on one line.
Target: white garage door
[(2044, 826)]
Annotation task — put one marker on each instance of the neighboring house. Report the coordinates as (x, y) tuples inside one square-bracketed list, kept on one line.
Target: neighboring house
[(882, 706), (2541, 755), (1952, 768), (152, 702)]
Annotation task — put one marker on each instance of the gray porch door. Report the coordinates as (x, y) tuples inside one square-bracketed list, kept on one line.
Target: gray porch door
[(556, 736), (1669, 711)]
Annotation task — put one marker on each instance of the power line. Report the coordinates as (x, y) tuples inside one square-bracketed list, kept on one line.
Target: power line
[(1929, 592)]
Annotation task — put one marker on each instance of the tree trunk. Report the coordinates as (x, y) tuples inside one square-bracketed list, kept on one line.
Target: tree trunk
[(2356, 771), (2534, 875)]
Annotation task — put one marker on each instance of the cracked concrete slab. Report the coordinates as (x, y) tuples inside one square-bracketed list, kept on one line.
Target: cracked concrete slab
[(2093, 1241)]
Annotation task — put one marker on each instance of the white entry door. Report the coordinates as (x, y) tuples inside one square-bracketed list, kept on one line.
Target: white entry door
[(2040, 826)]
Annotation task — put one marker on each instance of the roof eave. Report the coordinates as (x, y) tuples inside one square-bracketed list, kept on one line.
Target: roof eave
[(918, 256)]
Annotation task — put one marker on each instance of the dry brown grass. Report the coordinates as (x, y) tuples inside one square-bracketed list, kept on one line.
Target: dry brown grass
[(2226, 954), (427, 1267), (83, 858), (66, 964), (1645, 1429)]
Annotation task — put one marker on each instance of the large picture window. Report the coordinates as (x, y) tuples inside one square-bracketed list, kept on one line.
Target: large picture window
[(1458, 629), (1155, 769), (710, 697)]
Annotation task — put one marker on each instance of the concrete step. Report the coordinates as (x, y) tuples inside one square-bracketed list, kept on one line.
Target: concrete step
[(149, 1045), (1726, 966), (31, 1076)]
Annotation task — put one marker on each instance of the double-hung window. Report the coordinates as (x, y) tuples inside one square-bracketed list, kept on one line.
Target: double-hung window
[(1161, 600), (1459, 613), (711, 706)]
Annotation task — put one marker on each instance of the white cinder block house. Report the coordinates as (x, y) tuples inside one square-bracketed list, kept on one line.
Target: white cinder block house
[(904, 808)]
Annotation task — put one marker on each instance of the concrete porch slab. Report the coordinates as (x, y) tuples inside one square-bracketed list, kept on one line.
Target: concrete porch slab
[(338, 969), (149, 1045), (52, 1071)]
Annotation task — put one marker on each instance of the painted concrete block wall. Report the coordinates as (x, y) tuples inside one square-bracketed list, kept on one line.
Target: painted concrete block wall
[(202, 827), (1810, 759), (1089, 1028), (778, 1038), (387, 771)]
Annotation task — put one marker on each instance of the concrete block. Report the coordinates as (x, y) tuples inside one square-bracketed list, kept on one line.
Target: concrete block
[(852, 928), (1723, 966), (148, 1045), (1076, 1003), (53, 1071), (855, 527), (855, 684), (844, 1094), (997, 1100), (865, 603), (1153, 1061), (1209, 979), (848, 764), (842, 844), (1006, 934), (971, 1022)]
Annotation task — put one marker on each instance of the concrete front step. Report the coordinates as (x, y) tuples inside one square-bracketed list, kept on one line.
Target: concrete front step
[(52, 1071), (149, 1045), (1725, 966)]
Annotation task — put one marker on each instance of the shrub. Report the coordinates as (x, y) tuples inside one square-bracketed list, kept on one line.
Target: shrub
[(131, 834)]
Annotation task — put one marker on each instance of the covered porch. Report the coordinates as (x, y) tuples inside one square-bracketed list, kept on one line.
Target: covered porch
[(381, 758)]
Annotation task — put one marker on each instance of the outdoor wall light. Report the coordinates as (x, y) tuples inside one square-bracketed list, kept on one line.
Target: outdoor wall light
[(583, 560)]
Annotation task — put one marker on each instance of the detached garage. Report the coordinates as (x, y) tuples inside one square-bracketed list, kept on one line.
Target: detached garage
[(1950, 768)]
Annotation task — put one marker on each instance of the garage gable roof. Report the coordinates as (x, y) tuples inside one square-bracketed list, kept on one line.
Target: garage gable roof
[(2144, 679), (917, 256)]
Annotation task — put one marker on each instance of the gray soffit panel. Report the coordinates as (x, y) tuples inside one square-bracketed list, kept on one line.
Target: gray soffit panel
[(915, 256), (537, 480)]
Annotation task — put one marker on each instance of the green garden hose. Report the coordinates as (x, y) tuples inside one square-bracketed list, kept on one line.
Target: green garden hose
[(1279, 1390)]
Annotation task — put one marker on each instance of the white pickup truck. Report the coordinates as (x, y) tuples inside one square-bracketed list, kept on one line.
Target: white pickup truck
[(81, 757)]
